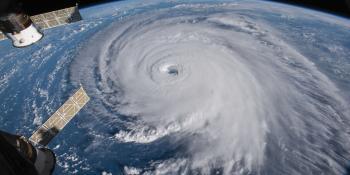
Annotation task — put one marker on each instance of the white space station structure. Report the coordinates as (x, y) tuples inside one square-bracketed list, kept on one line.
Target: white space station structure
[(25, 30)]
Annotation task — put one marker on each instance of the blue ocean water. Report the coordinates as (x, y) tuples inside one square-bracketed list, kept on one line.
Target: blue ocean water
[(306, 51)]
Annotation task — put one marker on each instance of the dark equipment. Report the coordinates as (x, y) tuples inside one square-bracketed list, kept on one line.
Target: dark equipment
[(19, 157)]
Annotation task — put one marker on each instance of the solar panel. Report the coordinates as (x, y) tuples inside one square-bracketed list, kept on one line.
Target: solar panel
[(54, 18), (60, 118), (2, 36)]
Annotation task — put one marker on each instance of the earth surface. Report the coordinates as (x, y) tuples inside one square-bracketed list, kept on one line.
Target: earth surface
[(199, 87)]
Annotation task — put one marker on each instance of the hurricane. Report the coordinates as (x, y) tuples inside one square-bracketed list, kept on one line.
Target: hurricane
[(223, 89), (188, 87)]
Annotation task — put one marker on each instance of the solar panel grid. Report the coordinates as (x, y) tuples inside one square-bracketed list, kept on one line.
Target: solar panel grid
[(52, 19), (60, 118)]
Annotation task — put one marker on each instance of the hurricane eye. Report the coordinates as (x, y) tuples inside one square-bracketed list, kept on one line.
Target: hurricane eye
[(172, 70)]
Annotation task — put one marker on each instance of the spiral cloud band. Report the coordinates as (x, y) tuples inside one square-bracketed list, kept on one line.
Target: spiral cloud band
[(223, 84)]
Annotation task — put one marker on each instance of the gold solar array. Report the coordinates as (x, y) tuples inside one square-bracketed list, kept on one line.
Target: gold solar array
[(2, 36), (60, 118), (54, 18)]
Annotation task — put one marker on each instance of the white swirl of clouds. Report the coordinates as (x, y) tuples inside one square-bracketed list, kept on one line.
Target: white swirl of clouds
[(245, 100)]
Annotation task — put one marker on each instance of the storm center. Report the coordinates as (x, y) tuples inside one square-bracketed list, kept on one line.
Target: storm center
[(171, 70)]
